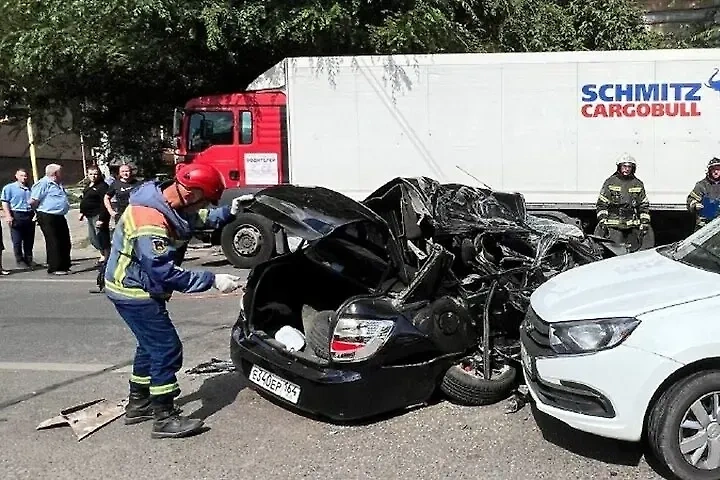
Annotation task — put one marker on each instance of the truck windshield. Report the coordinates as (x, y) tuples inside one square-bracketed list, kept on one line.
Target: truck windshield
[(701, 249), (209, 128)]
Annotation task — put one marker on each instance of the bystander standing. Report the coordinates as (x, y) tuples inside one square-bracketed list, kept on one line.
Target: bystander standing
[(49, 199), (118, 195), (15, 198), (93, 210)]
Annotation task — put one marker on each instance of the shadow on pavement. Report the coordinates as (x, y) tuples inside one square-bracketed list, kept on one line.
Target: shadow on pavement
[(215, 393), (585, 444), (83, 270), (83, 259), (216, 263)]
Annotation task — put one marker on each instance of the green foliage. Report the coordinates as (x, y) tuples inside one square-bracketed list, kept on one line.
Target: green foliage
[(537, 25), (121, 65)]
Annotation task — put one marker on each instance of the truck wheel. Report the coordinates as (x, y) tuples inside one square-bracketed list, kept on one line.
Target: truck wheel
[(464, 386), (684, 429), (248, 240)]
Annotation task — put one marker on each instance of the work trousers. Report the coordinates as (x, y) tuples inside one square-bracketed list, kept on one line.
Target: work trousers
[(57, 241), (100, 280), (99, 237), (22, 233), (629, 236), (159, 353)]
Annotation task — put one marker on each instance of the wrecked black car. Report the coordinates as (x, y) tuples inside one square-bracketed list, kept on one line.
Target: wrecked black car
[(421, 286)]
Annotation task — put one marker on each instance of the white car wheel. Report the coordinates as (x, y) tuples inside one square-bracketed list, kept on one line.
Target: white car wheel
[(684, 427)]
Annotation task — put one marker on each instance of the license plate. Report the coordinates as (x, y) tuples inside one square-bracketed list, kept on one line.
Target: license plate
[(274, 384)]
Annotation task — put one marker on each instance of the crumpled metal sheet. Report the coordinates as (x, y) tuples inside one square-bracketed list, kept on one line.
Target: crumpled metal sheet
[(213, 366), (86, 418), (457, 209), (454, 209), (548, 226), (505, 239)]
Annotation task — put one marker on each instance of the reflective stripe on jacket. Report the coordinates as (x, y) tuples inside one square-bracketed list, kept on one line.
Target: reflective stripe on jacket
[(144, 261)]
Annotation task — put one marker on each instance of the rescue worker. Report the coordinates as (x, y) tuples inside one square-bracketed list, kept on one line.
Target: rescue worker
[(623, 209), (142, 272), (707, 188)]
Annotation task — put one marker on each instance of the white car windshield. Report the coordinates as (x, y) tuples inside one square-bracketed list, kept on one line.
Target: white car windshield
[(702, 248)]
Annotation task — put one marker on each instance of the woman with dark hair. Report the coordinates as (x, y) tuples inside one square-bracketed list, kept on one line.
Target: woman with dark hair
[(92, 208)]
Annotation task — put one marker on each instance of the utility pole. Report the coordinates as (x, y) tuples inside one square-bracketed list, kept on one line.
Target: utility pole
[(82, 152), (31, 143)]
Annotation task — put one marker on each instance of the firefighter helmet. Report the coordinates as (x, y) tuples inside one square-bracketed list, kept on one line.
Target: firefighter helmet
[(626, 158), (203, 177), (714, 162)]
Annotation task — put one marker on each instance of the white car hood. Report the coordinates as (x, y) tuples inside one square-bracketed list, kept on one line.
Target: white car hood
[(628, 285)]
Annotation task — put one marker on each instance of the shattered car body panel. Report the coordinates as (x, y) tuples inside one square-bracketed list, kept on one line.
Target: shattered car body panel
[(393, 292)]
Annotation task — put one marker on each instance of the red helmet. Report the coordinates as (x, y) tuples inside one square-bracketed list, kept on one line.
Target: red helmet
[(202, 176)]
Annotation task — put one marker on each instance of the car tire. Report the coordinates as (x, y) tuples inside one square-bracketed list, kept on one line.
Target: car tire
[(318, 338), (666, 416), (467, 389), (257, 227)]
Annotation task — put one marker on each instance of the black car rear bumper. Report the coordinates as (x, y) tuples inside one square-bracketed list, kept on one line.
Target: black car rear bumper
[(341, 393)]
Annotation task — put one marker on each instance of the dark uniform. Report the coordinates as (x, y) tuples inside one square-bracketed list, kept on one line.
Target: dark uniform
[(707, 188), (623, 208)]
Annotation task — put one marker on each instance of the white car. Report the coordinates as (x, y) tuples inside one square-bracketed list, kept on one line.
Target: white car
[(629, 347)]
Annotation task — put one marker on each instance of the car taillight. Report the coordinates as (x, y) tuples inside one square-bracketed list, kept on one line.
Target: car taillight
[(356, 339)]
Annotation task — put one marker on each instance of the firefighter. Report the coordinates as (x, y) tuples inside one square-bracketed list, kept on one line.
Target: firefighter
[(708, 187), (623, 209), (142, 272)]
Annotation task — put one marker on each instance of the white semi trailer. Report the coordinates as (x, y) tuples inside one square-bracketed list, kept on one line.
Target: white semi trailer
[(549, 125)]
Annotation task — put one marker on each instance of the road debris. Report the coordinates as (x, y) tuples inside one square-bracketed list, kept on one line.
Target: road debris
[(213, 366), (86, 418), (518, 400)]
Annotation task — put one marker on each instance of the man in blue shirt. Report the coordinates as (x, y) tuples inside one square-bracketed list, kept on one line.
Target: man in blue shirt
[(50, 201), (15, 198)]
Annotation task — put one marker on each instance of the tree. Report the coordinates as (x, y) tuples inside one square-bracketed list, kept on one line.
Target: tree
[(120, 66)]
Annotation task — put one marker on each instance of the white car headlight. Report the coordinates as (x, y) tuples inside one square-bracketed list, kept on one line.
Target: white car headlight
[(587, 336)]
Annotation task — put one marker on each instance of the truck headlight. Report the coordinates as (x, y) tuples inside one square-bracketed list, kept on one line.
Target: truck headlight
[(587, 336)]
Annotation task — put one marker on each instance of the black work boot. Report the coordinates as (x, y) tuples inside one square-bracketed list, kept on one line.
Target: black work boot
[(139, 408), (168, 422)]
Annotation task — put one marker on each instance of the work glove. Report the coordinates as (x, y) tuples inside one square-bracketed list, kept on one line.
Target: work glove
[(227, 283), (603, 230), (235, 206)]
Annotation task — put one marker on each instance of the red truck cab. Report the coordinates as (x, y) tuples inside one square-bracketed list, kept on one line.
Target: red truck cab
[(244, 136)]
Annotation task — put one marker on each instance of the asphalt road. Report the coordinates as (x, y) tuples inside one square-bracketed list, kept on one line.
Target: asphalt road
[(61, 346)]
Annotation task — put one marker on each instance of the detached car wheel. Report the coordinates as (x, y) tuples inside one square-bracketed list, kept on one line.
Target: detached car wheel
[(464, 385), (248, 240), (684, 427)]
